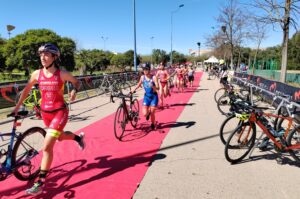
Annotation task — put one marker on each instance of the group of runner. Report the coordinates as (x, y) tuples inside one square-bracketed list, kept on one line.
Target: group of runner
[(54, 111), (157, 87)]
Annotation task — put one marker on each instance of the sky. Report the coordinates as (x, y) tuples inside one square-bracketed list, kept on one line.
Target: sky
[(108, 24)]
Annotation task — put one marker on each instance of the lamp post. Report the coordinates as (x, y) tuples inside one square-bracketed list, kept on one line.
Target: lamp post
[(104, 41), (173, 12), (199, 44), (9, 29), (230, 43), (134, 32), (151, 38)]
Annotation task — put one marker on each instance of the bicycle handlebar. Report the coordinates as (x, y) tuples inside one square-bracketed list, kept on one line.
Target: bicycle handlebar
[(120, 95), (19, 114)]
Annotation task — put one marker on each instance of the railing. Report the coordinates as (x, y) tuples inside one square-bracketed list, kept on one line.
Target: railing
[(9, 91)]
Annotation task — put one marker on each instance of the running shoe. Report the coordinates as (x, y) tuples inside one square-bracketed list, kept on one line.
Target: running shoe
[(152, 126), (82, 141), (35, 189), (263, 146)]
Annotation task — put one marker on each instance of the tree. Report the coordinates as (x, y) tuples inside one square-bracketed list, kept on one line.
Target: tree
[(92, 60), (233, 22), (21, 51), (2, 58), (159, 56), (67, 48), (258, 34), (120, 61), (178, 57), (283, 13), (294, 52), (129, 57)]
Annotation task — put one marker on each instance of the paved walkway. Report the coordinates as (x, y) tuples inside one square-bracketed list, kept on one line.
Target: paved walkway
[(192, 163)]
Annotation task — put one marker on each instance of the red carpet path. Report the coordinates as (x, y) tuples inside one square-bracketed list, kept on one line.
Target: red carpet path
[(107, 168)]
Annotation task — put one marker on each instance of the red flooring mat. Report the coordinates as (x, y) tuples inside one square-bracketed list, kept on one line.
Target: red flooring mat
[(107, 168)]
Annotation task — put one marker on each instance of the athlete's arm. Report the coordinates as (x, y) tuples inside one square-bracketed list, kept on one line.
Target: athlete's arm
[(138, 85), (156, 84), (26, 90), (66, 76), (168, 76)]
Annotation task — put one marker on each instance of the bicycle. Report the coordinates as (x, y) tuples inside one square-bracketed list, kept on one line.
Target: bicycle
[(32, 101), (242, 139), (125, 113), (113, 85), (22, 156), (212, 74), (285, 108)]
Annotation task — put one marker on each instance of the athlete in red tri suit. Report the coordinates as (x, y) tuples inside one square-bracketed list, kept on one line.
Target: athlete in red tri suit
[(163, 76), (54, 111), (180, 76)]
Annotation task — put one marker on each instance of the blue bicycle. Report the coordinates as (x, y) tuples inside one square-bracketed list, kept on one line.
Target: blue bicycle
[(20, 153)]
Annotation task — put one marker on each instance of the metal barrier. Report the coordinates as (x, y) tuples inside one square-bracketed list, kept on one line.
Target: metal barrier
[(9, 91)]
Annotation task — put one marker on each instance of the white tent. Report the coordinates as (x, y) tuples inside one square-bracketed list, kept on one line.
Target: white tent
[(212, 59)]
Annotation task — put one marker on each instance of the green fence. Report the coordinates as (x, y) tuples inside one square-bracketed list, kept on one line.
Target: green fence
[(275, 75)]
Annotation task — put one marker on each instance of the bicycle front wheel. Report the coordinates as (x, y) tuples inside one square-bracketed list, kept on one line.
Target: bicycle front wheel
[(294, 139), (240, 142), (219, 93), (27, 156), (223, 105), (120, 123), (228, 126), (135, 107)]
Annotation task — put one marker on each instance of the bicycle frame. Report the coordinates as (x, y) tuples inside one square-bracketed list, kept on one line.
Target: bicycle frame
[(32, 97), (8, 166), (253, 118)]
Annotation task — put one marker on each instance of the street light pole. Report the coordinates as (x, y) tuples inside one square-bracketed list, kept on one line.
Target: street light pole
[(151, 38), (199, 44), (134, 30), (173, 12), (104, 40), (9, 29)]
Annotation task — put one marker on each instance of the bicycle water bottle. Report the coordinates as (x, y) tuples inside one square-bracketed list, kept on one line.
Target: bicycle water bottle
[(280, 132), (272, 130)]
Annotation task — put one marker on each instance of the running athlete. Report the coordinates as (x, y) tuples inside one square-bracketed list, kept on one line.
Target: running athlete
[(174, 74), (179, 73), (185, 75), (224, 72), (53, 109), (150, 85), (163, 76), (191, 76)]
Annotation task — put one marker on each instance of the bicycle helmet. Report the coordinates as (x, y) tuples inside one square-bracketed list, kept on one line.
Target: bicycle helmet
[(146, 66), (49, 48)]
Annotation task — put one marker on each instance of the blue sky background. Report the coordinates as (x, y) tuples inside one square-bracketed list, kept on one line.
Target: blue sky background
[(86, 21)]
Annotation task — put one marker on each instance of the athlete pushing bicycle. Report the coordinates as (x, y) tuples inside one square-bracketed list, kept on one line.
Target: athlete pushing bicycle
[(53, 108), (150, 102)]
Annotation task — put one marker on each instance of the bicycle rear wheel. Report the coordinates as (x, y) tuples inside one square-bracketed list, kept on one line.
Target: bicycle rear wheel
[(294, 139), (135, 108), (26, 155), (120, 123), (240, 142)]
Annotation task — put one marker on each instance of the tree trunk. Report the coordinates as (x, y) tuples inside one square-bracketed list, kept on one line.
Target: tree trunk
[(285, 29)]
